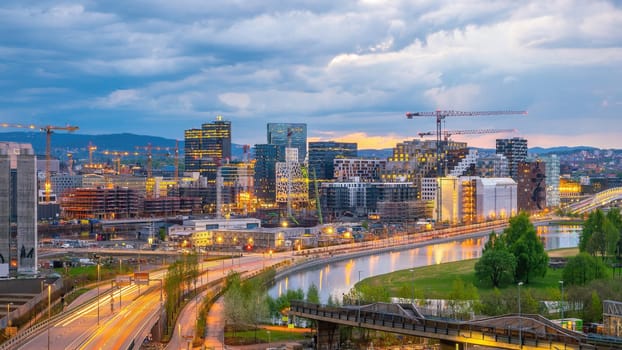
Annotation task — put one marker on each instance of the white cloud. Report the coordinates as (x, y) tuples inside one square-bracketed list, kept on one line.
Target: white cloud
[(119, 98), (460, 97), (237, 100)]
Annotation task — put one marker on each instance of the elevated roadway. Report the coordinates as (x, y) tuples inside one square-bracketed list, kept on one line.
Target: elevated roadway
[(600, 199)]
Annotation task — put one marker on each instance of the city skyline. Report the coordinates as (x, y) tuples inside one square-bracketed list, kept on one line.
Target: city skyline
[(349, 70)]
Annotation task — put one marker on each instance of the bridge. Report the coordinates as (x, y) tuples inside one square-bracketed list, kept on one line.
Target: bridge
[(598, 200), (502, 332)]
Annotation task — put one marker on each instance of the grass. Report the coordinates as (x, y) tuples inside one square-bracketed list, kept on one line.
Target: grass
[(248, 336), (436, 281)]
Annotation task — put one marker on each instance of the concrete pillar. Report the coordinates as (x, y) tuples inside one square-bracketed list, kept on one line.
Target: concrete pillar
[(450, 345), (327, 336)]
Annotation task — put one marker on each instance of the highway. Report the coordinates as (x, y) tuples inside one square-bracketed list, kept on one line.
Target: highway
[(118, 329)]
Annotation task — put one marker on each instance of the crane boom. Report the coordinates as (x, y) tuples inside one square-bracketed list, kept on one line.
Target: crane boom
[(448, 133), (48, 129), (440, 115)]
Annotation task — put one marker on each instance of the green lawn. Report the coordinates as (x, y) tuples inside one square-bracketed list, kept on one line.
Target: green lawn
[(436, 281), (248, 336)]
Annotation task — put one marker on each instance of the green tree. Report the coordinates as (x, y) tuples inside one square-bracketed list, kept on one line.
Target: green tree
[(313, 294), (495, 265), (583, 268), (592, 236), (594, 310), (522, 241)]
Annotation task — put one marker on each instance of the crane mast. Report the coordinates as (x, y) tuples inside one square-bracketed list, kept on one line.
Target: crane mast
[(440, 115)]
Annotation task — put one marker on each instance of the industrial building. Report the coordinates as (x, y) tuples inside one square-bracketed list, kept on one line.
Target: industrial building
[(18, 209)]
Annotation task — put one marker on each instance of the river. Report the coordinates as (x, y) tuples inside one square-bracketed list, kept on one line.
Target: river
[(336, 278)]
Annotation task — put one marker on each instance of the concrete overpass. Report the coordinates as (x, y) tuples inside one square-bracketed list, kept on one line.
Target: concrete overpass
[(596, 201), (502, 332)]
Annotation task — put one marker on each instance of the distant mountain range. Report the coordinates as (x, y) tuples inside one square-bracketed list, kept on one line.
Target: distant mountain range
[(77, 144)]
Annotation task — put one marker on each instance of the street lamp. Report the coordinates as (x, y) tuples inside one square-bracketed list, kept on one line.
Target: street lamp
[(520, 320), (561, 304), (49, 312), (358, 299), (8, 314), (98, 277), (413, 299), (269, 340)]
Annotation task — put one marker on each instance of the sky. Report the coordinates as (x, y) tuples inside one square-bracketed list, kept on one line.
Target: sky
[(349, 69)]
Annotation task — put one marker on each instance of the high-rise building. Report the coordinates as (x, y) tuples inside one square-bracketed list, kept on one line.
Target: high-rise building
[(494, 165), (531, 186), (322, 154), (552, 180), (18, 207), (266, 157), (207, 148), (515, 150), (283, 133)]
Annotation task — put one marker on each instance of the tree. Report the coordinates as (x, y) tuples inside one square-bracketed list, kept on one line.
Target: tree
[(521, 240), (313, 294), (582, 269), (592, 226), (496, 265)]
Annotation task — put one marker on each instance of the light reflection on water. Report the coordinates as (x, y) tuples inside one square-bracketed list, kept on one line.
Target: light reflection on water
[(338, 278)]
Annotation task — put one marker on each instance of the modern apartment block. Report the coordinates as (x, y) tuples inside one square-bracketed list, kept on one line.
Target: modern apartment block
[(531, 186), (207, 148), (278, 135), (322, 154), (494, 165), (18, 207), (291, 184), (413, 160), (364, 170), (362, 198), (515, 150)]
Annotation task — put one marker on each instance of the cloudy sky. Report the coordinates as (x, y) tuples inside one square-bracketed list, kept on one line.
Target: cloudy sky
[(349, 69)]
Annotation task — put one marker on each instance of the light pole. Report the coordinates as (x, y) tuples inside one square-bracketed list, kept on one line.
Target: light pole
[(268, 337), (413, 299), (358, 300), (561, 304), (49, 312), (8, 314), (520, 320), (98, 276)]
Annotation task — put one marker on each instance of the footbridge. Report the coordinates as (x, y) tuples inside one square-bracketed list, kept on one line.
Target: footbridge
[(502, 332), (596, 201)]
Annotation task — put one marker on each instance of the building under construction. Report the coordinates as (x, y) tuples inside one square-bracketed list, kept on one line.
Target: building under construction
[(101, 203)]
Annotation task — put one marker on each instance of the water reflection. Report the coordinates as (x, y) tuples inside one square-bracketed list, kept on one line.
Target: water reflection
[(338, 278)]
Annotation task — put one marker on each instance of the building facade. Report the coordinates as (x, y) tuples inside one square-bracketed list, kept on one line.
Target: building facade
[(551, 179), (18, 208), (531, 186), (207, 148), (515, 150), (289, 135), (322, 156), (266, 157), (365, 170)]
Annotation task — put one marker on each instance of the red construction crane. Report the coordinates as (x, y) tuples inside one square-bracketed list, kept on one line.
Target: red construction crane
[(448, 133), (49, 130)]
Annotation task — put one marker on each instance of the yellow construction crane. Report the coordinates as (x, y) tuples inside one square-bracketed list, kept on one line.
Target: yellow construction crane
[(49, 130)]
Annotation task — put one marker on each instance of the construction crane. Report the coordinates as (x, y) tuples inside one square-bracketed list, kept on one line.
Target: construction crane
[(91, 148), (49, 130), (448, 133), (440, 115), (149, 148)]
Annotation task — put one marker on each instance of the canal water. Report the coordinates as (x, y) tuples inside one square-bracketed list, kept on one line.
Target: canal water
[(336, 278)]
